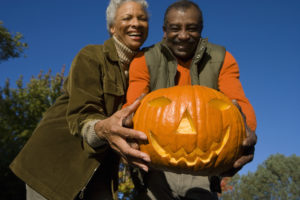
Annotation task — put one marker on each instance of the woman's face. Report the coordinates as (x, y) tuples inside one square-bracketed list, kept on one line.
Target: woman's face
[(130, 25)]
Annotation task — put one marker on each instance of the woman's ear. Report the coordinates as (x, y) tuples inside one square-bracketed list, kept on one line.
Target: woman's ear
[(112, 30)]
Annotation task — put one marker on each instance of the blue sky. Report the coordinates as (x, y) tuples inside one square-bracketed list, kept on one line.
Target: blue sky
[(263, 36)]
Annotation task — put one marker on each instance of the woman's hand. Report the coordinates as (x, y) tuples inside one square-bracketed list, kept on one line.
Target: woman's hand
[(120, 138)]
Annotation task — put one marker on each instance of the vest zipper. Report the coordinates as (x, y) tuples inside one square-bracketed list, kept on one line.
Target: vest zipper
[(81, 195)]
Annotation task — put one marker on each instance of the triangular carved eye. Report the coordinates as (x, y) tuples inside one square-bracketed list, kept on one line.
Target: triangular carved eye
[(159, 102), (186, 125), (219, 104)]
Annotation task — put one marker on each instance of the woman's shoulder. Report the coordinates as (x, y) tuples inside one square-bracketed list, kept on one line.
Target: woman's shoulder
[(91, 49), (91, 52), (97, 51)]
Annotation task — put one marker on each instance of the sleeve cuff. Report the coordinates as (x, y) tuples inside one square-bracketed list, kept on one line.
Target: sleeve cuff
[(89, 135)]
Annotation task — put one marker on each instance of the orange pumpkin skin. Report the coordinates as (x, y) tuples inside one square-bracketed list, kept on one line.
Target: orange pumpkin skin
[(190, 129)]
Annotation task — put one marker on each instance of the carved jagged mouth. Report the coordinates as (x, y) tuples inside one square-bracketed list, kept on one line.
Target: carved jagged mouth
[(182, 155)]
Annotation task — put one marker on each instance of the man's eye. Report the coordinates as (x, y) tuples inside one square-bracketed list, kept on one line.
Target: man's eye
[(193, 28), (174, 28)]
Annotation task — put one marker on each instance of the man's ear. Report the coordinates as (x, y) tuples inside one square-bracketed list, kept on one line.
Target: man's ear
[(165, 33)]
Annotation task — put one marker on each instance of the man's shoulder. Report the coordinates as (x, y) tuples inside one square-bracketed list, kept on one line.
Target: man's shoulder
[(152, 53), (216, 51), (152, 47), (157, 51), (215, 47)]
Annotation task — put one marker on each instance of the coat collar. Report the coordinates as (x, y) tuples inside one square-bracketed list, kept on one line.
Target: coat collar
[(110, 50)]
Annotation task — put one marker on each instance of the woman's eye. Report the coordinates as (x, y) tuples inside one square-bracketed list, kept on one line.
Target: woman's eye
[(143, 18), (126, 18)]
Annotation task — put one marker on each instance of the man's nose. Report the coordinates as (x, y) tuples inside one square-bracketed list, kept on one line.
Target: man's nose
[(183, 35)]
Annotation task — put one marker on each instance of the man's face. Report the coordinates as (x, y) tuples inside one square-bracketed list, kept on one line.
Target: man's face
[(182, 32)]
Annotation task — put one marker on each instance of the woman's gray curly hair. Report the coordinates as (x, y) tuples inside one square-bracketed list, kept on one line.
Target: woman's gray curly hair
[(114, 5)]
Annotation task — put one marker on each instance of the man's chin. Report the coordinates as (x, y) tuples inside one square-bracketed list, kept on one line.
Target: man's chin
[(183, 55)]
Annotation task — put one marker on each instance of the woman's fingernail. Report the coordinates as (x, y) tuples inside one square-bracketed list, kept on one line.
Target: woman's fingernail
[(146, 158), (145, 169), (144, 137)]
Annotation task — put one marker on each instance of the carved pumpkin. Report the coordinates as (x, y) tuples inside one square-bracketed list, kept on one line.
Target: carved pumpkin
[(190, 129)]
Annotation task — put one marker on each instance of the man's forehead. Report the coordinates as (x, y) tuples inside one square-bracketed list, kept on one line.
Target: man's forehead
[(191, 12), (186, 16)]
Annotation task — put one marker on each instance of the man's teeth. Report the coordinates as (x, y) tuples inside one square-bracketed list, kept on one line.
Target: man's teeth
[(135, 34)]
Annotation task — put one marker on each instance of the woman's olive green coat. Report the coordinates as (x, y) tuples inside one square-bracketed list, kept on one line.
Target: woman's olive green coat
[(55, 161)]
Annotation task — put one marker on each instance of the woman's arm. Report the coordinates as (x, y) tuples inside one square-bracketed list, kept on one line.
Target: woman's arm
[(87, 110)]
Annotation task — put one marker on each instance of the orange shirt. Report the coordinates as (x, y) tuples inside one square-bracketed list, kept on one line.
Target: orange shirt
[(228, 82)]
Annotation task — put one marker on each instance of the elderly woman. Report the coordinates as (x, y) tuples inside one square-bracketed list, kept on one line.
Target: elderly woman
[(75, 150)]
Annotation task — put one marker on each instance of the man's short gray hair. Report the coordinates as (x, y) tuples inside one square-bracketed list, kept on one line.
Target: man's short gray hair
[(114, 5)]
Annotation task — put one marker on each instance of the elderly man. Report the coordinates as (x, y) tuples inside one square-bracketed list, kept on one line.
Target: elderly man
[(184, 58)]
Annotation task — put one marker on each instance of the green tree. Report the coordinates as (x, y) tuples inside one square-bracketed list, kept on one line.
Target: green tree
[(21, 109), (125, 183), (277, 178), (10, 44)]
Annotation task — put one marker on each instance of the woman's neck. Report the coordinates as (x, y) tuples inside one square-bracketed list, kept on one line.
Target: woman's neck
[(125, 54)]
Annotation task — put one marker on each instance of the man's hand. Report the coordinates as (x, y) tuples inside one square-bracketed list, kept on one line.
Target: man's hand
[(120, 138), (248, 148)]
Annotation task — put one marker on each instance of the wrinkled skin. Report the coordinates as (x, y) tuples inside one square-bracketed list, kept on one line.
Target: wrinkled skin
[(182, 32), (122, 139), (130, 25)]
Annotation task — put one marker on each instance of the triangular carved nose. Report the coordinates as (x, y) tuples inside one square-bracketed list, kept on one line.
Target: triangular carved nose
[(186, 125)]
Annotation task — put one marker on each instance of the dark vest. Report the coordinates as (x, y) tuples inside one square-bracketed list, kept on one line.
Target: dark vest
[(204, 70)]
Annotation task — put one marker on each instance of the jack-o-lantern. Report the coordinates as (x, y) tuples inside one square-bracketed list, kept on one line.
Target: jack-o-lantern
[(190, 129)]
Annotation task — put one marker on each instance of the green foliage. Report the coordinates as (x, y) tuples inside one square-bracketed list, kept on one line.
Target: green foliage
[(125, 183), (10, 45), (21, 109), (277, 178)]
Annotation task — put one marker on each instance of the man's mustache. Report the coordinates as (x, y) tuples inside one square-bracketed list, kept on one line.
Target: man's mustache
[(183, 42)]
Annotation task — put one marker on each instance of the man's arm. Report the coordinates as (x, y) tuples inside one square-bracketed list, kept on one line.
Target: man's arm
[(139, 79), (231, 86)]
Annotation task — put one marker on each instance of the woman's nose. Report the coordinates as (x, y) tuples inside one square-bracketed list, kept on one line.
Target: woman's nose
[(135, 22)]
